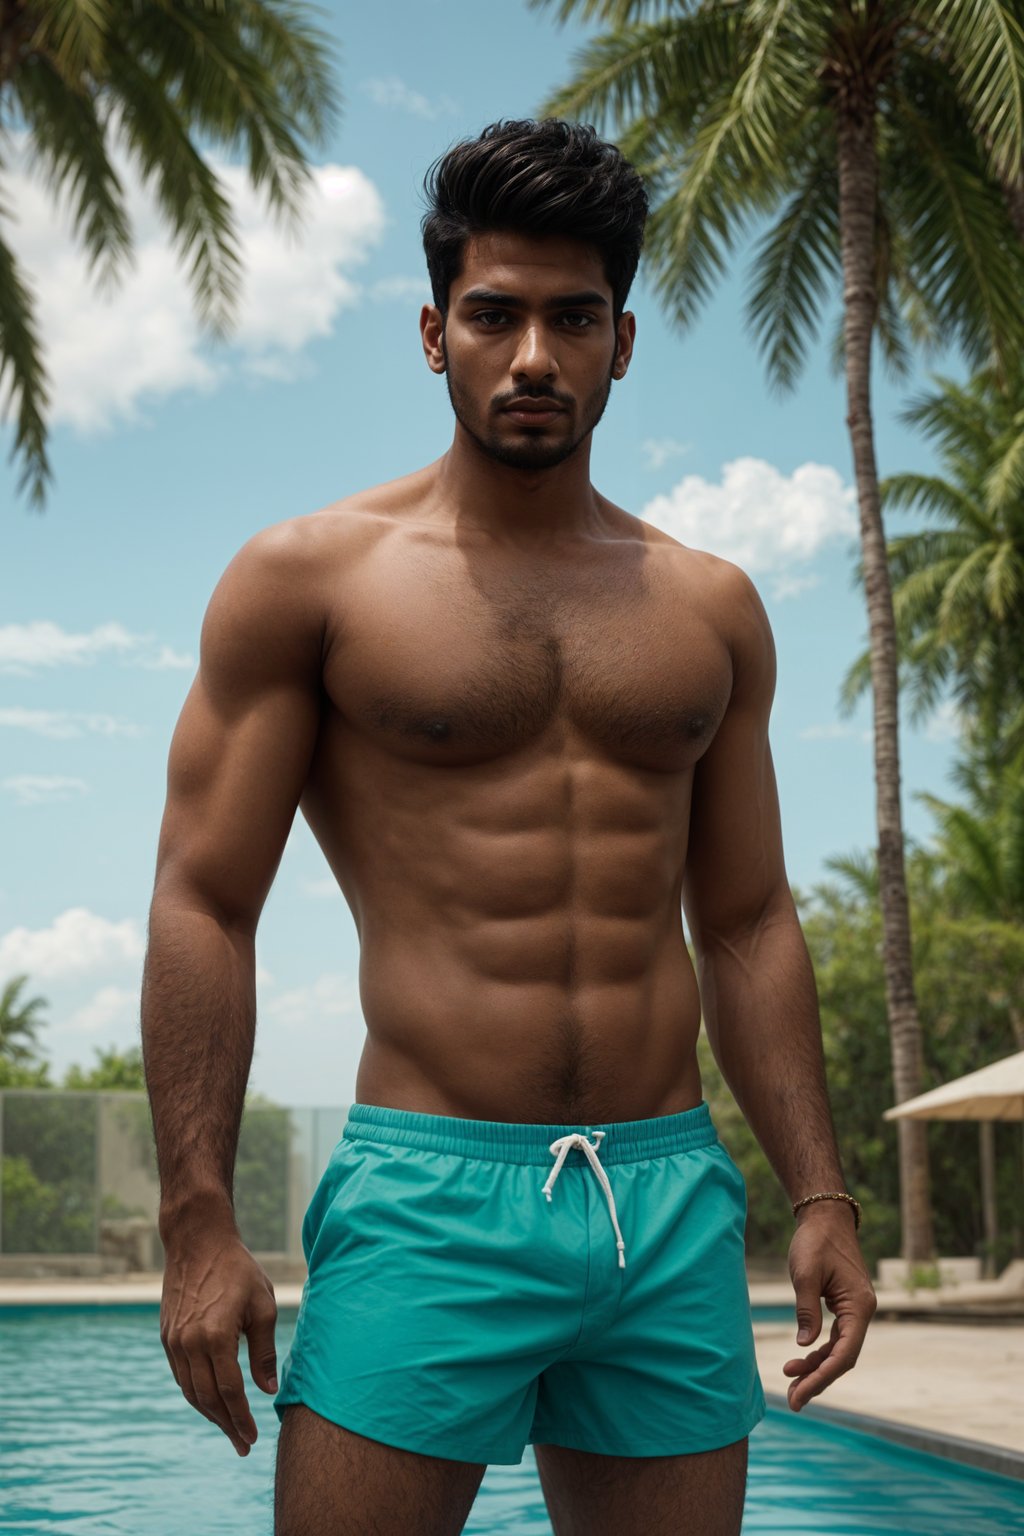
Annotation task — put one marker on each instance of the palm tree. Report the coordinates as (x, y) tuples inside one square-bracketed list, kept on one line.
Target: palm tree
[(980, 847), (152, 76), (880, 136), (958, 586), (19, 1020)]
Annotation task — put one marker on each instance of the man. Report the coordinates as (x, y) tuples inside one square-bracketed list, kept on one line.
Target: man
[(525, 728)]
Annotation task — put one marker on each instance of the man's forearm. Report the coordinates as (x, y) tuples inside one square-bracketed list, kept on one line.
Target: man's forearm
[(198, 1030), (760, 1007)]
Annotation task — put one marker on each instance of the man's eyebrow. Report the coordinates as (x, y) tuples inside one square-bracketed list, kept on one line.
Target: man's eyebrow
[(586, 297)]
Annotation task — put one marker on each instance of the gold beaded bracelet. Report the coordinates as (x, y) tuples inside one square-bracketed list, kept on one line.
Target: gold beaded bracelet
[(832, 1195)]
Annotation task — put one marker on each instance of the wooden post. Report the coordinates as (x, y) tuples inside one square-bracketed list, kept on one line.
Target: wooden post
[(987, 1143)]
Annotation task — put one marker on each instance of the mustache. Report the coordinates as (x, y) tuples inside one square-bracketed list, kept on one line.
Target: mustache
[(502, 402)]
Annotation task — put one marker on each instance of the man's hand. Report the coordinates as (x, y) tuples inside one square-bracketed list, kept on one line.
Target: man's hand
[(214, 1290), (825, 1260)]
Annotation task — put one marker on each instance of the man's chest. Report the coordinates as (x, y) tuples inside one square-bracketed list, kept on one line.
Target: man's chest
[(445, 659)]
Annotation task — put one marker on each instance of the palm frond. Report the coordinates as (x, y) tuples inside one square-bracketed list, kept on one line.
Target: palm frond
[(952, 416), (72, 36), (188, 192), (930, 494), (960, 244), (23, 388), (855, 684), (66, 144), (301, 59), (669, 70), (981, 43), (1004, 484), (613, 13), (213, 82), (1004, 583), (794, 265)]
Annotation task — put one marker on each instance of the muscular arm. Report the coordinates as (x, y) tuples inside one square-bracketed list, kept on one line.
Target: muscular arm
[(759, 999), (238, 761), (758, 994)]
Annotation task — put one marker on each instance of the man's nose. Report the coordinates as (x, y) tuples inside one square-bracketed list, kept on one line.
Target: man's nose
[(534, 360)]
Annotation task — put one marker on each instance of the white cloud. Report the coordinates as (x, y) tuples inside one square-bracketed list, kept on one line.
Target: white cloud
[(167, 660), (330, 996), (658, 450), (61, 724), (109, 1008), (833, 731), (108, 353), (76, 943), (401, 288), (787, 584), (759, 518), (40, 789), (392, 92), (26, 647)]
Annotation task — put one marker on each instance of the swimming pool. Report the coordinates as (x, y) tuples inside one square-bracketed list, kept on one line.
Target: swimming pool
[(96, 1440)]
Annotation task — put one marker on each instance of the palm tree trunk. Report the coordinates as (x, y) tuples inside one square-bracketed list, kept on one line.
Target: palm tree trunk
[(858, 175)]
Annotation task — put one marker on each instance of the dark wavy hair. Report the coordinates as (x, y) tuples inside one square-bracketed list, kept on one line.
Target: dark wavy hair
[(534, 178)]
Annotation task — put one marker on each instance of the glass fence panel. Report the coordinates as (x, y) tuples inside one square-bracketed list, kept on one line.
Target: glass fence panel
[(48, 1198), (79, 1175)]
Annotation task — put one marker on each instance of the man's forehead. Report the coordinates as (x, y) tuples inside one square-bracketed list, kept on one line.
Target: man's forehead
[(502, 261)]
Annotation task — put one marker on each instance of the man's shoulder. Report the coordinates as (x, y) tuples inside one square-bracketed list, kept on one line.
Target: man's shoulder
[(700, 564), (341, 527)]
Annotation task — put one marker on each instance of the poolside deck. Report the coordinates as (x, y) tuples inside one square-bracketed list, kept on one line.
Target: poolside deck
[(960, 1377)]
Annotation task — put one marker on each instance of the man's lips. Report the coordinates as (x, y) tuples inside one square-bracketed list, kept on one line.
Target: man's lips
[(533, 410)]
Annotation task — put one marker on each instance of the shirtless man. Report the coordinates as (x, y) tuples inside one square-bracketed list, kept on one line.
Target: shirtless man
[(526, 729)]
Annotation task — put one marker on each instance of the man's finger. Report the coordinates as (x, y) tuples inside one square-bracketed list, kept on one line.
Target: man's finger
[(841, 1357), (227, 1374), (262, 1354), (808, 1313), (809, 1362), (211, 1404), (170, 1360)]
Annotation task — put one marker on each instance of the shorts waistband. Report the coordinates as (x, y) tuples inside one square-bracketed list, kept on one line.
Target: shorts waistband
[(624, 1141)]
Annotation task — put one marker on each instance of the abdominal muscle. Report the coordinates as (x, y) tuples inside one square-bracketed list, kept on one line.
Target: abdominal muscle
[(442, 1040), (522, 952)]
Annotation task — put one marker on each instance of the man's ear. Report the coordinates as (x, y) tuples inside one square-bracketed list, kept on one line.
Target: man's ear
[(625, 335), (432, 336)]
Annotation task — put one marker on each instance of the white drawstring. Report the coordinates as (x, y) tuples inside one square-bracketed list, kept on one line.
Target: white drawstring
[(562, 1147)]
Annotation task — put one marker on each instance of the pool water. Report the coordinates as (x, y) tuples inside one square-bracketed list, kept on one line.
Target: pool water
[(96, 1439)]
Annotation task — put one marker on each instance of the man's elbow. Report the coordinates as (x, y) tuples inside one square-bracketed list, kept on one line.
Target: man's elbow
[(744, 925)]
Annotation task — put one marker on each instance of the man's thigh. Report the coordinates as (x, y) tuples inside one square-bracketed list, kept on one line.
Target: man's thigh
[(592, 1495), (331, 1482)]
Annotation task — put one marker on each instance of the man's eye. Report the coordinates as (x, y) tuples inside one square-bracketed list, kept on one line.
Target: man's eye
[(489, 317), (577, 321)]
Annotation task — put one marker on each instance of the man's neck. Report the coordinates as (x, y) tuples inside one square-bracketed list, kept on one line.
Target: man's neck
[(518, 505)]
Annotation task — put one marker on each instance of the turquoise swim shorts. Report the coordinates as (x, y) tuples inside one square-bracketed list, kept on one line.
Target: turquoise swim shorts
[(474, 1286)]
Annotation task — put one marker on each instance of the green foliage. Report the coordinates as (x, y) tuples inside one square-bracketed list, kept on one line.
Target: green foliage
[(19, 1021), (962, 989), (958, 584), (49, 1173), (164, 79), (923, 1277), (114, 1070), (33, 1075), (261, 1175), (729, 109)]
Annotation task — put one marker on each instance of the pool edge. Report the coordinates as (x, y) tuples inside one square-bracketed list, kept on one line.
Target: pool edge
[(972, 1453)]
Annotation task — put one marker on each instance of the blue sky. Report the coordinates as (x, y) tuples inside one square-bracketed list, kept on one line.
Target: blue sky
[(170, 452)]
